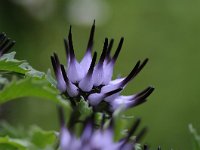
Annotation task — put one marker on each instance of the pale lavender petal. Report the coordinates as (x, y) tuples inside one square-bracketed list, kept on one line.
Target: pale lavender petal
[(98, 76), (65, 138), (86, 84), (130, 101), (85, 62), (87, 133), (102, 139), (116, 81), (98, 70), (71, 89), (75, 72), (112, 97), (118, 103), (95, 98), (108, 72), (108, 67), (56, 66), (109, 88), (87, 59)]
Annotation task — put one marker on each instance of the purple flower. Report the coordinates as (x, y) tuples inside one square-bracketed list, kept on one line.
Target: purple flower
[(92, 80), (5, 44), (98, 139)]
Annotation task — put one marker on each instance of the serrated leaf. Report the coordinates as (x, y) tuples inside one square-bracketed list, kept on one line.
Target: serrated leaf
[(30, 71), (31, 87), (138, 146), (8, 130), (50, 78), (9, 63), (12, 138), (41, 138), (83, 108)]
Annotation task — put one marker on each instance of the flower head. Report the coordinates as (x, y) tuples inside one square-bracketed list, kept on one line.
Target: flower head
[(92, 80), (5, 44), (98, 139)]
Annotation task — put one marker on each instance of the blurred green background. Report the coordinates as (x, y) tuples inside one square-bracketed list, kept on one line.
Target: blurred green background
[(167, 32)]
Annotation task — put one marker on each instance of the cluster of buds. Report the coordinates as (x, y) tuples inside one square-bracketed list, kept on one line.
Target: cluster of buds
[(97, 137)]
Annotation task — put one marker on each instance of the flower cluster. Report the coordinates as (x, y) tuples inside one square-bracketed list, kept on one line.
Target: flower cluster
[(5, 44), (93, 80), (98, 139)]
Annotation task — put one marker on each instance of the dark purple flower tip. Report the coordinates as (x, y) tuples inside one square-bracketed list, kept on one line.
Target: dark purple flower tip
[(134, 72), (94, 80), (103, 54), (5, 44), (141, 97), (85, 62), (91, 39), (57, 70), (71, 47), (95, 98), (131, 101), (67, 51), (132, 131), (118, 50), (71, 89), (108, 57)]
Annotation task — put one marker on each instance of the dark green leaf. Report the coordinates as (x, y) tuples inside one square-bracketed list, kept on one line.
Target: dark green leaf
[(10, 64), (42, 138), (31, 87)]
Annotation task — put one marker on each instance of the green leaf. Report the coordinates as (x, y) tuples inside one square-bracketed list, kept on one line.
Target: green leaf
[(42, 138), (50, 78), (17, 138), (83, 108), (10, 64), (31, 87), (123, 122), (3, 80), (7, 143), (196, 137), (8, 130)]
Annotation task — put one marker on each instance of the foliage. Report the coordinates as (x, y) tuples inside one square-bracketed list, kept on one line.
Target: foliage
[(195, 137), (20, 139), (33, 83)]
